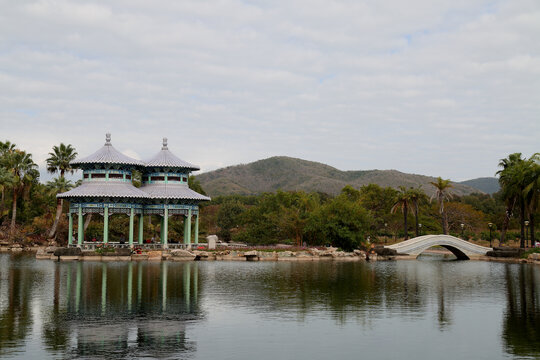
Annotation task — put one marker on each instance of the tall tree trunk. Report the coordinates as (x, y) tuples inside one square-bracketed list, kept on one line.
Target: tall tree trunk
[(13, 213), (506, 221), (445, 223), (59, 204), (531, 224), (417, 229), (522, 223), (87, 221), (2, 203), (405, 211)]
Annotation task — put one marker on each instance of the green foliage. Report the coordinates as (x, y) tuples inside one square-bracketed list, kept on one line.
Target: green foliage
[(343, 222), (195, 185), (228, 218)]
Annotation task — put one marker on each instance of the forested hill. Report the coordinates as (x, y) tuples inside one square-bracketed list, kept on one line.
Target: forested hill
[(489, 185), (285, 173)]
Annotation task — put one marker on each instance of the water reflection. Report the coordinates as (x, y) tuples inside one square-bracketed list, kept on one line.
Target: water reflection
[(99, 313), (127, 310), (521, 328)]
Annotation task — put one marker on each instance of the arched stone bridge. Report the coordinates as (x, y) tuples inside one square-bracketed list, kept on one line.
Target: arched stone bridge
[(462, 249)]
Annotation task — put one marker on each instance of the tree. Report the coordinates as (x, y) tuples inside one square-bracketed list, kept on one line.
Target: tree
[(56, 186), (195, 185), (6, 181), (531, 192), (509, 191), (442, 187), (515, 177), (417, 196), (228, 217), (60, 158), (24, 171), (342, 222), (59, 161), (403, 203)]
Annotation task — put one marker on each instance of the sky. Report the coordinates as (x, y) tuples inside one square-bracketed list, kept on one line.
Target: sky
[(434, 87)]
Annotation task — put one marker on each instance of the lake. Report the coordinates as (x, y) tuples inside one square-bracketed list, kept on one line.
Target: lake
[(423, 309)]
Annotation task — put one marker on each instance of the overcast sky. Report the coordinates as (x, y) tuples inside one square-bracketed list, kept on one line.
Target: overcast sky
[(434, 87)]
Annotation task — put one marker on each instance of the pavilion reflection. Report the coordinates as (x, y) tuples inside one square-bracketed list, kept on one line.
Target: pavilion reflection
[(123, 309)]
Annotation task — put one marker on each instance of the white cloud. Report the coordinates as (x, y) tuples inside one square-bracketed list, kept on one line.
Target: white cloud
[(441, 88)]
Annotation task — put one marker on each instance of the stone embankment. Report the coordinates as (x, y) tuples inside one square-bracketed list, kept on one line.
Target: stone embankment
[(313, 254)]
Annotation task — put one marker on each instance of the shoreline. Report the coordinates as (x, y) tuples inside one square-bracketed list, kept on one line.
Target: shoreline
[(311, 254)]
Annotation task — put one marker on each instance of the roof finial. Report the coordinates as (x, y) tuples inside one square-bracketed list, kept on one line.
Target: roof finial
[(164, 144), (108, 139)]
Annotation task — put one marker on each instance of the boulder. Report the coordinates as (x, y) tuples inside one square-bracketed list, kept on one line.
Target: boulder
[(123, 251), (73, 251), (383, 251), (505, 252), (178, 254)]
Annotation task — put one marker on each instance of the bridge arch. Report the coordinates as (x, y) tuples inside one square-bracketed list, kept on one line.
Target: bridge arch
[(462, 249)]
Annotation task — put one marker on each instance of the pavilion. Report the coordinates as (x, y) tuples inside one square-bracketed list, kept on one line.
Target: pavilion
[(107, 189)]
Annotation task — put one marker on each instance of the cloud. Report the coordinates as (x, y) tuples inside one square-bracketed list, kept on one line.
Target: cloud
[(440, 88)]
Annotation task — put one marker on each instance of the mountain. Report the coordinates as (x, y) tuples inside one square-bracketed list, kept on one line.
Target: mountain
[(489, 185), (286, 173)]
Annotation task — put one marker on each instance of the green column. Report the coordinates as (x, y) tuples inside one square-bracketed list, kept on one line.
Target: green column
[(80, 229), (131, 219), (165, 226), (106, 225), (189, 228), (141, 228), (161, 229), (70, 229), (196, 240), (185, 230)]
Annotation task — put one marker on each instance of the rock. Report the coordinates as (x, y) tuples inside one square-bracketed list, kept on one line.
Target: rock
[(383, 251), (73, 251), (534, 257), (180, 254), (505, 253), (154, 255), (123, 252), (285, 254), (139, 257), (251, 253), (212, 241), (314, 251)]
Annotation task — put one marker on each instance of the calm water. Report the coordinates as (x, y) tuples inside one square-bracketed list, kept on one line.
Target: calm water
[(244, 310)]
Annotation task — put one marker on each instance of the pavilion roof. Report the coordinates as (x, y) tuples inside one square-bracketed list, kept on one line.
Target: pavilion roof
[(102, 189), (172, 191), (107, 155), (166, 159)]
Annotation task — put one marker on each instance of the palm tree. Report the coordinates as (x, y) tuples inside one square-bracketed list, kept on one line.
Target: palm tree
[(509, 192), (403, 202), (417, 196), (59, 161), (442, 187), (58, 185), (531, 192), (24, 171), (6, 148), (6, 181)]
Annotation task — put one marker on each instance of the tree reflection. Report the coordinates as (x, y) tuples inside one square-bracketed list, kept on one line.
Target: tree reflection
[(521, 331), (16, 317)]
